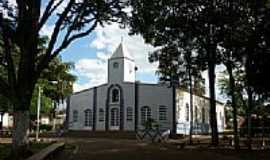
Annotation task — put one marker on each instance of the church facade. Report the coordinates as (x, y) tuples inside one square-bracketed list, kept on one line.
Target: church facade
[(123, 104)]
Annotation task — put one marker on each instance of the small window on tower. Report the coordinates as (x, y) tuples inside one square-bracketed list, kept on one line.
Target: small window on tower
[(115, 65)]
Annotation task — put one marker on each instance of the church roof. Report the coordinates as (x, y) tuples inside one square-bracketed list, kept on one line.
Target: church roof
[(121, 52)]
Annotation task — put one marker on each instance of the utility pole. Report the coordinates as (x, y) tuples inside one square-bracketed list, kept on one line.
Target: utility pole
[(38, 111)]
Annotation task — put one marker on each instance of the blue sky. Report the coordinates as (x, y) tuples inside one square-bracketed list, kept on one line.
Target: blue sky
[(90, 54)]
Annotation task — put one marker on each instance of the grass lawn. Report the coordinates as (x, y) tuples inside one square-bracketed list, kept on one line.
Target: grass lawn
[(5, 149)]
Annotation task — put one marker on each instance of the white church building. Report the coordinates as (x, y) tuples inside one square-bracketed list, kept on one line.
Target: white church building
[(124, 104)]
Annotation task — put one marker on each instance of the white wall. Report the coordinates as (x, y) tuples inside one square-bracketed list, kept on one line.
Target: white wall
[(80, 102), (183, 125), (129, 101), (152, 95), (45, 120), (129, 71), (220, 109), (101, 103), (7, 120), (155, 96)]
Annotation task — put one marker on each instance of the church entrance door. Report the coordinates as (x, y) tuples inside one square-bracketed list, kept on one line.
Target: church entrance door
[(114, 119)]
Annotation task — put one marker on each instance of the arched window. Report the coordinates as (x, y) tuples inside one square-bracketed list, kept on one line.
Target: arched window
[(115, 95), (162, 113), (203, 115), (129, 114), (115, 121), (196, 113), (88, 118), (187, 112), (75, 116), (101, 115), (145, 114)]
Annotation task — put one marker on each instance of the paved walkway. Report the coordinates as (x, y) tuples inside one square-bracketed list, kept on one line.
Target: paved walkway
[(115, 149)]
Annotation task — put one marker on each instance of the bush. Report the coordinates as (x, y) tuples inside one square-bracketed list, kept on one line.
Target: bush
[(43, 127)]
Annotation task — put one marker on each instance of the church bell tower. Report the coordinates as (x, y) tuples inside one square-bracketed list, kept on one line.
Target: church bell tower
[(121, 66)]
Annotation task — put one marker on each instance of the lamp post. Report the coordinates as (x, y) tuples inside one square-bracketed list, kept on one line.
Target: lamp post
[(38, 112), (54, 105)]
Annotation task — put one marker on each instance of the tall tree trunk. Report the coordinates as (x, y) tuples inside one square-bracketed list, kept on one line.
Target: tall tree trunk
[(2, 118), (213, 117), (249, 126), (248, 66), (211, 75), (54, 115), (191, 105), (232, 92), (20, 133), (21, 110)]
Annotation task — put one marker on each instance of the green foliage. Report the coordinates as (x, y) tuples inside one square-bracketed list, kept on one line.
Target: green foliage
[(4, 105), (44, 127), (56, 83), (46, 103), (24, 55), (21, 30), (224, 87), (59, 82)]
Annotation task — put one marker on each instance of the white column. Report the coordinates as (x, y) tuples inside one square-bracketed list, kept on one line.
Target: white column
[(38, 111)]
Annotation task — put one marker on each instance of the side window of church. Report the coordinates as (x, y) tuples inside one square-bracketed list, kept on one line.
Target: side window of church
[(75, 116), (220, 116), (115, 65), (203, 115), (145, 114), (101, 115), (162, 113), (196, 113), (88, 118), (187, 112), (129, 114), (115, 95)]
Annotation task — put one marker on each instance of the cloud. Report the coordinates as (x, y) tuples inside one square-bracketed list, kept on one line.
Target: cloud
[(109, 37), (93, 70), (106, 41), (47, 30), (13, 2)]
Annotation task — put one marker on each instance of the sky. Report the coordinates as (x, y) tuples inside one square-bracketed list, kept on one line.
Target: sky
[(90, 54)]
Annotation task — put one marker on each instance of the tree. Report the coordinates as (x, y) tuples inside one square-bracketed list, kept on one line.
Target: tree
[(255, 46), (244, 37), (177, 61), (56, 82), (161, 21), (59, 84), (230, 54), (78, 19), (3, 109)]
